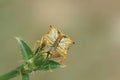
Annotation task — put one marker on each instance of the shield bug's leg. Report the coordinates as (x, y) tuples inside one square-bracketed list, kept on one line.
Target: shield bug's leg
[(37, 43), (59, 54), (43, 43), (63, 57), (55, 55)]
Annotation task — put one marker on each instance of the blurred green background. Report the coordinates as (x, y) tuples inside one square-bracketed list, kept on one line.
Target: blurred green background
[(93, 24)]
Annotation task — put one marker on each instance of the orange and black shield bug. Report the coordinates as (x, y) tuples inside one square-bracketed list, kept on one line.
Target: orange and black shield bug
[(56, 44)]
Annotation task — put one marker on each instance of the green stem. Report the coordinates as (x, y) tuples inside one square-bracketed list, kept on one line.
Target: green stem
[(25, 77), (11, 74)]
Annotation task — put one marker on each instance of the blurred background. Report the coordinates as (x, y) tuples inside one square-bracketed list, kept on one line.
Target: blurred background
[(93, 24)]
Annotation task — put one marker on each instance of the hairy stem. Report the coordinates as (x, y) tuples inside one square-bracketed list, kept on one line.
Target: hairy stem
[(11, 74)]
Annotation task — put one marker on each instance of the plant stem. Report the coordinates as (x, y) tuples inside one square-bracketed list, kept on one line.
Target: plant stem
[(25, 77), (11, 74)]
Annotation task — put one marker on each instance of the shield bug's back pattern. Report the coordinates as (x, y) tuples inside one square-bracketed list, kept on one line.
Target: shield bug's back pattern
[(56, 43)]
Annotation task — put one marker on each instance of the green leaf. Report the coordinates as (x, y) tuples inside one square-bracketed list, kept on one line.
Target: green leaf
[(25, 77), (25, 49), (50, 64)]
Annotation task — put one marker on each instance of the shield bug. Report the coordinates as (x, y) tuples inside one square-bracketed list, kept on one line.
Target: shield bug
[(55, 43)]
